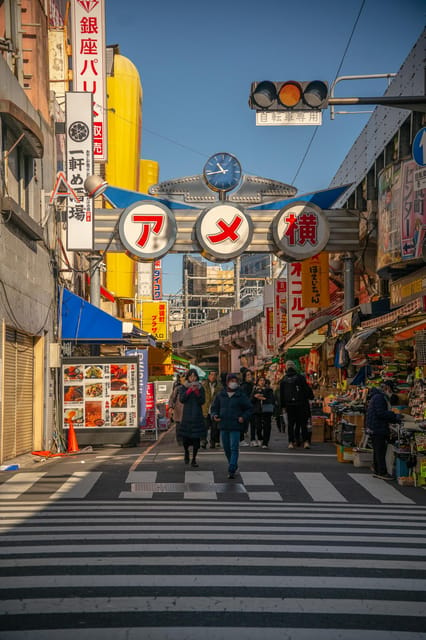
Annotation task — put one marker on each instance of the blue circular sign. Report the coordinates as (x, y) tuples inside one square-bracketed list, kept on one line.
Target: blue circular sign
[(419, 147)]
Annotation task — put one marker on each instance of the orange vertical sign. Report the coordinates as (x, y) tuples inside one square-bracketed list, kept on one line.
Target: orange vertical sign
[(315, 291)]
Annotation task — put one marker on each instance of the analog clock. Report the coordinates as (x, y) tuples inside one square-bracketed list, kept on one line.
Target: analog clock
[(222, 172)]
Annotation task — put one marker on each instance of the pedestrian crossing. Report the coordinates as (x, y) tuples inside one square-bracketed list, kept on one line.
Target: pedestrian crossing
[(208, 485), (190, 569)]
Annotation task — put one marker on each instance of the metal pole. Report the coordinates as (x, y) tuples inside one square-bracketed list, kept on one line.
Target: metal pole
[(237, 269), (185, 291), (348, 282), (95, 281)]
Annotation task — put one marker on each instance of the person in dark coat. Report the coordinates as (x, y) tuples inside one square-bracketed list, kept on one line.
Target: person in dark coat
[(231, 409), (377, 420), (295, 394), (262, 398), (193, 426), (246, 386)]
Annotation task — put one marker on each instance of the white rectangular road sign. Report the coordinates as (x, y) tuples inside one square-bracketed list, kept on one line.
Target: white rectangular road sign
[(288, 118), (420, 179)]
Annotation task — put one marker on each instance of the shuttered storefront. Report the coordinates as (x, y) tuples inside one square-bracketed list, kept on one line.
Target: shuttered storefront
[(18, 385)]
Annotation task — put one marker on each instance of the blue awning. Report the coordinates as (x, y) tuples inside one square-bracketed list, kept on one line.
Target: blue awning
[(83, 321)]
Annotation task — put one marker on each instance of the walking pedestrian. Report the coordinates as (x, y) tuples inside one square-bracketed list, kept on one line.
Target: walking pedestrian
[(211, 389), (231, 409), (263, 408), (378, 417), (247, 385), (193, 426), (295, 394), (176, 407)]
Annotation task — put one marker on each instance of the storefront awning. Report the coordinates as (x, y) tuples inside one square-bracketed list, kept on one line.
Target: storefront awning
[(84, 322)]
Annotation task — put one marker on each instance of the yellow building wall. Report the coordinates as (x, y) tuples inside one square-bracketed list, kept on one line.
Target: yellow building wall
[(122, 169), (149, 172)]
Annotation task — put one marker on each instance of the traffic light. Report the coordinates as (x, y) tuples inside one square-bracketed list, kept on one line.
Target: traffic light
[(288, 95)]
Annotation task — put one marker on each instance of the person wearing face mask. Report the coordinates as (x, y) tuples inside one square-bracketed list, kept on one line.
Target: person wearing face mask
[(231, 410), (378, 417), (193, 427)]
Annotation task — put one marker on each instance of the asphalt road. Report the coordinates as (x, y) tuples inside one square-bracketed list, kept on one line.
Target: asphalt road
[(133, 543)]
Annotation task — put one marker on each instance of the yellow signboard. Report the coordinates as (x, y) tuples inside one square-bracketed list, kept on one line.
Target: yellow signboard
[(315, 292), (155, 316)]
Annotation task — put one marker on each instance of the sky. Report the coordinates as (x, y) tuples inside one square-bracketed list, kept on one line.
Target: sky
[(196, 63)]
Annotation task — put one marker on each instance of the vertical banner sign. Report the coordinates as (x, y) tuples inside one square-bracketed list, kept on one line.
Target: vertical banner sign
[(157, 287), (280, 308), (413, 219), (270, 327), (89, 69), (296, 312), (145, 280), (315, 291), (155, 319), (79, 159), (142, 356), (150, 417)]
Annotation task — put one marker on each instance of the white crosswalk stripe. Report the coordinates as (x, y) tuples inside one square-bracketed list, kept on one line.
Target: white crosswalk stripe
[(196, 484), (190, 569)]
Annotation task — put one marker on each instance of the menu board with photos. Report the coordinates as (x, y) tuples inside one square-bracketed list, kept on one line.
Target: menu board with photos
[(100, 393)]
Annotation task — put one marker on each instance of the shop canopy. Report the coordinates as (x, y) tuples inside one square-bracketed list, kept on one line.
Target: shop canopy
[(83, 322)]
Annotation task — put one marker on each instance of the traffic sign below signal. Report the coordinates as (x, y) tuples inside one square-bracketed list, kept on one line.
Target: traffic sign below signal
[(289, 95)]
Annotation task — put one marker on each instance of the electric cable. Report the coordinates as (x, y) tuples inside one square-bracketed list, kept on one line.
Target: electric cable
[(337, 73)]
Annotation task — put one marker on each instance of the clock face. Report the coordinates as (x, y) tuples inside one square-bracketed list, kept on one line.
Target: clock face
[(222, 172)]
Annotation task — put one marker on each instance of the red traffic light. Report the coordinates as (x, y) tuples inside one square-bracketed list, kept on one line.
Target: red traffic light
[(288, 95)]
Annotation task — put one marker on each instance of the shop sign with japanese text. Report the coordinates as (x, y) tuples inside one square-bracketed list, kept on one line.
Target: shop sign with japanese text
[(300, 231), (296, 312), (280, 308), (224, 231), (147, 230), (157, 281), (269, 312), (89, 69), (155, 319), (79, 160), (408, 288), (315, 293)]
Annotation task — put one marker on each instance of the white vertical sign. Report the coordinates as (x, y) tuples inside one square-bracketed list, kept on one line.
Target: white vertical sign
[(296, 315), (280, 308), (89, 68), (79, 165)]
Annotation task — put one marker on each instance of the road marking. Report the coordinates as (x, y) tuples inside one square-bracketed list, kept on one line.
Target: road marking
[(203, 604), (381, 489), (18, 484), (212, 580), (319, 488), (267, 496), (256, 477), (78, 485)]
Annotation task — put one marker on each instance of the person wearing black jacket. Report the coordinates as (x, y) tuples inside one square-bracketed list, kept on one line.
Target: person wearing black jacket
[(377, 420), (262, 398), (295, 394), (231, 410), (246, 387), (193, 426)]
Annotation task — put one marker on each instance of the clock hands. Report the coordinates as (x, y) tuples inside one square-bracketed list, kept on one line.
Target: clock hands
[(212, 173)]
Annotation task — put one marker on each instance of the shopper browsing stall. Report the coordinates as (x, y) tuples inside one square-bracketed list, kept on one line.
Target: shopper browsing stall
[(378, 418)]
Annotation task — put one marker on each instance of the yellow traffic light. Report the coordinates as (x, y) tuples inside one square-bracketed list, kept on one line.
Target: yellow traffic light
[(289, 95)]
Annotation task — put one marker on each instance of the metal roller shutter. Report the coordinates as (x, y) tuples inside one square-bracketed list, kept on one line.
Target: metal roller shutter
[(18, 410)]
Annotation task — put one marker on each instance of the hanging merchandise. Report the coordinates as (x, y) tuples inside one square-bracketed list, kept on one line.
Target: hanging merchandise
[(420, 348)]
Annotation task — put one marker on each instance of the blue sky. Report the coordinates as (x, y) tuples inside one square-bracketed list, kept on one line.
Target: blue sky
[(197, 60)]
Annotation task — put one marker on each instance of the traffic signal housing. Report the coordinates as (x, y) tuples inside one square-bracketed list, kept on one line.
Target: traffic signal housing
[(289, 95)]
